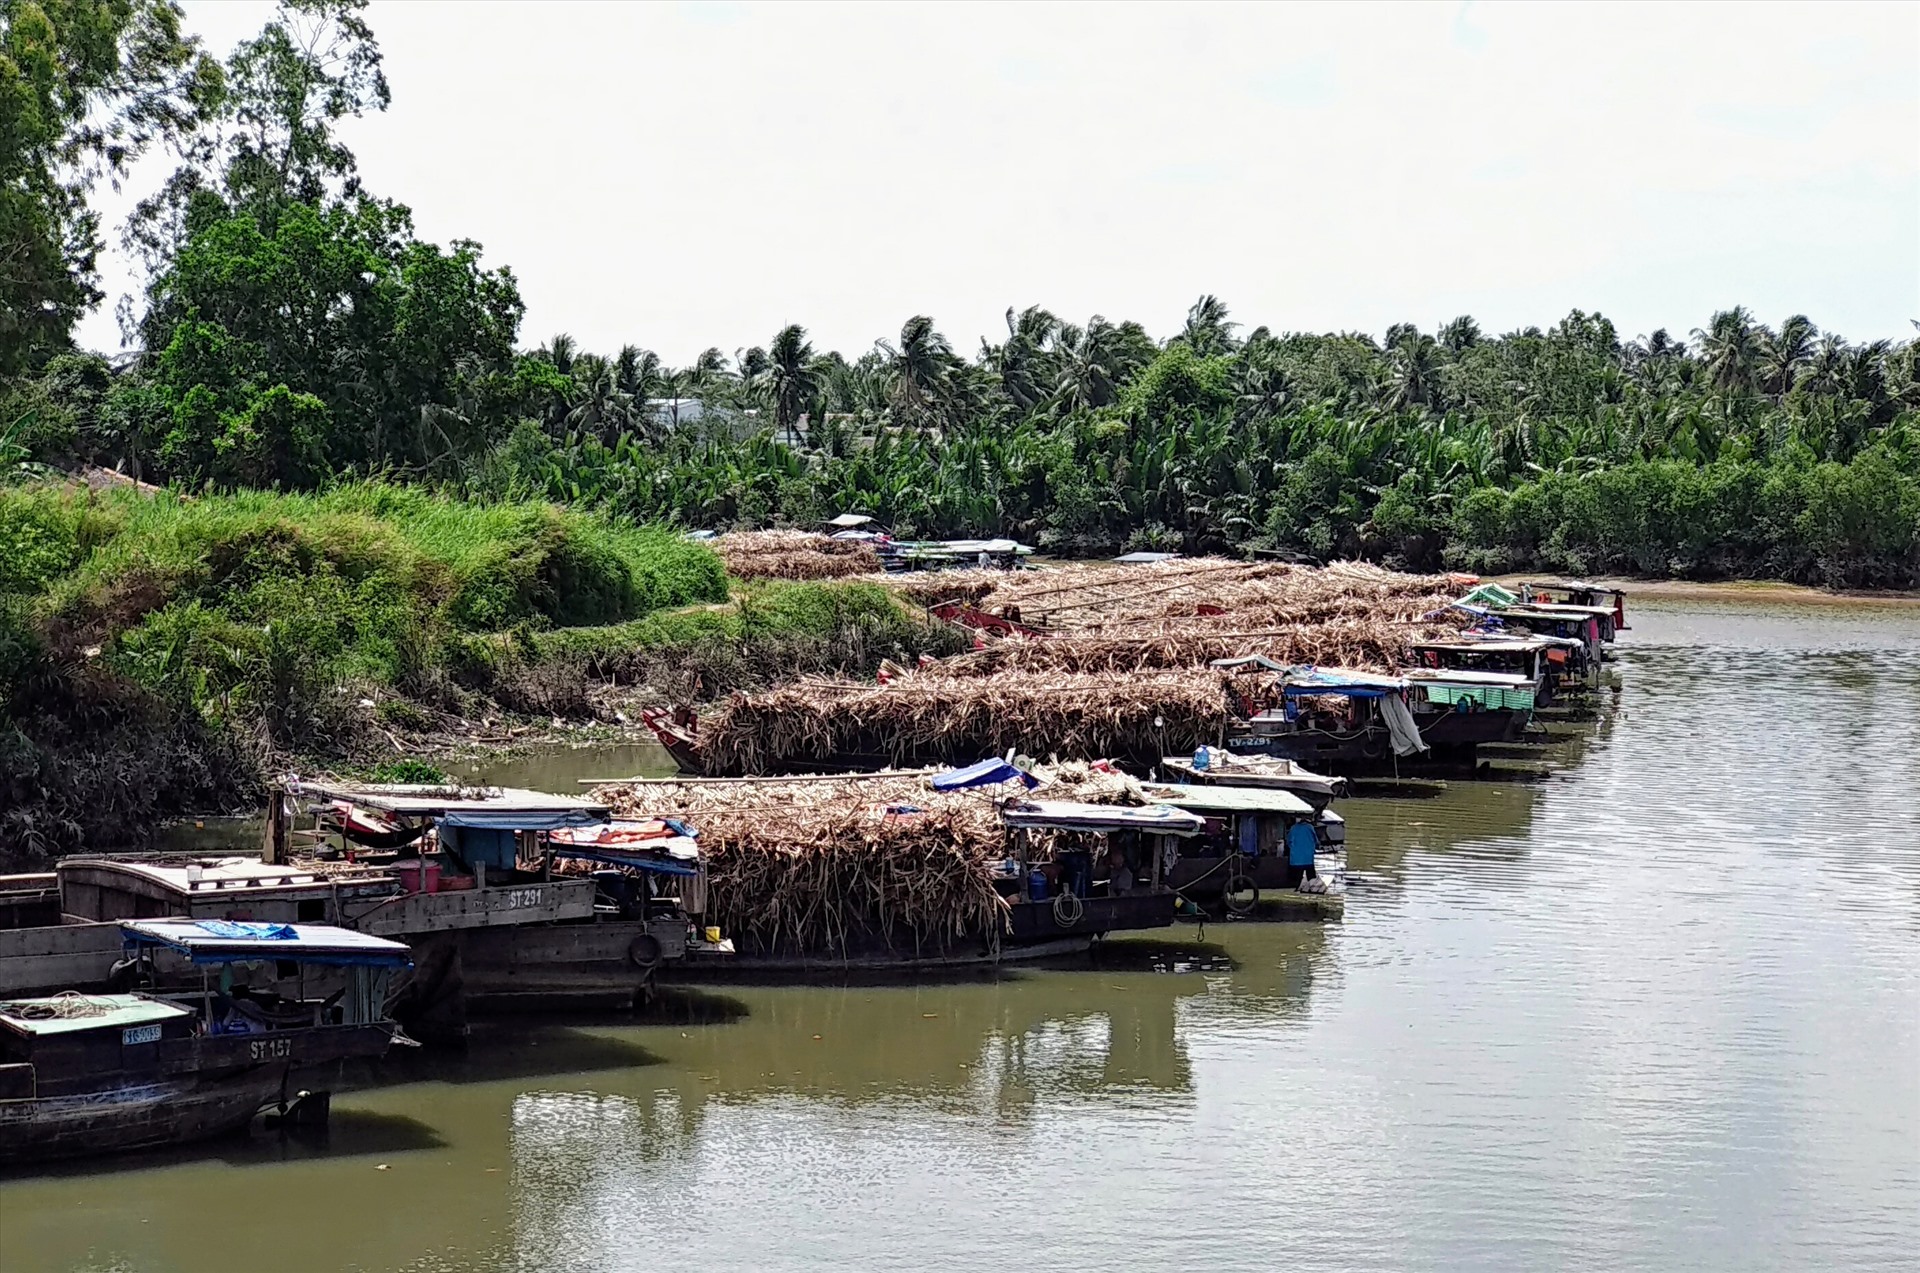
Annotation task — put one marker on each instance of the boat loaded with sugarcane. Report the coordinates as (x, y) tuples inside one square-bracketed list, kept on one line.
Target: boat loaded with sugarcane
[(893, 870), (98, 1073)]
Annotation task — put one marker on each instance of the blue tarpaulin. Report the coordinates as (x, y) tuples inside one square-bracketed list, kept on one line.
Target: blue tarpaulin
[(219, 941), (985, 773), (236, 930)]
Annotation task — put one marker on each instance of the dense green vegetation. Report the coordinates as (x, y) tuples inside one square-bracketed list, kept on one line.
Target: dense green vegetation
[(380, 494), (226, 629), (294, 331)]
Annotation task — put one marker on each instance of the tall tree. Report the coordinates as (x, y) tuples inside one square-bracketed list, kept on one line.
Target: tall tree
[(1207, 331), (790, 367), (920, 368), (1783, 353), (1730, 350), (86, 87)]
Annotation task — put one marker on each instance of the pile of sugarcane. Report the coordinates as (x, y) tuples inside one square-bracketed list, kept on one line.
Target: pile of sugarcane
[(1110, 597), (816, 866), (930, 717), (931, 587), (1185, 614), (1351, 643), (794, 554)]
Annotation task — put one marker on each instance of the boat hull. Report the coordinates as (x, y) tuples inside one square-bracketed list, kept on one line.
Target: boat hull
[(145, 1116)]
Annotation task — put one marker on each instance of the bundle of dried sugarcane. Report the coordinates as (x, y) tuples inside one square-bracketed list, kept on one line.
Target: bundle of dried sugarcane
[(794, 554)]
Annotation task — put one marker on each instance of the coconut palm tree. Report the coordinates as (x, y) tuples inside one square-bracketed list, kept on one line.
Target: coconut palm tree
[(1207, 331), (559, 353), (1026, 364), (1413, 371), (1824, 369), (1730, 348), (1095, 362), (792, 372), (920, 368), (1782, 353), (1460, 335)]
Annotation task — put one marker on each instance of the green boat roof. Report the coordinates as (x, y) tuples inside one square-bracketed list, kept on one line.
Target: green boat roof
[(65, 1013)]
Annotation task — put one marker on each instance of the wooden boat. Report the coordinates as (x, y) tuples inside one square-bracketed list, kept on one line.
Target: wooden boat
[(83, 1074), (1272, 772), (490, 928), (1058, 886), (1255, 853), (1580, 592), (1457, 709)]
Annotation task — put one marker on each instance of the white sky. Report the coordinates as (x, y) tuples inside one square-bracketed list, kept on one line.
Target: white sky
[(682, 176)]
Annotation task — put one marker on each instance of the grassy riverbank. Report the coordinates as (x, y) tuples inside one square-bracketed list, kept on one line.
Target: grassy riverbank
[(158, 653)]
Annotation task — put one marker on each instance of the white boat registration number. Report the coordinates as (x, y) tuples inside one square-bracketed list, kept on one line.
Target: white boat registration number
[(139, 1034), (520, 897), (271, 1049)]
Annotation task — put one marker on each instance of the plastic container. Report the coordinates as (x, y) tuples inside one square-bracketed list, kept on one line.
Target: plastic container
[(417, 876), (1200, 758), (1037, 885)]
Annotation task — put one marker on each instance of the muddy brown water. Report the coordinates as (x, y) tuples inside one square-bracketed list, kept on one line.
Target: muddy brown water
[(1661, 1011)]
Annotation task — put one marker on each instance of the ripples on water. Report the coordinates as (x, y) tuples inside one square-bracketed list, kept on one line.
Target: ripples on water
[(1660, 1010)]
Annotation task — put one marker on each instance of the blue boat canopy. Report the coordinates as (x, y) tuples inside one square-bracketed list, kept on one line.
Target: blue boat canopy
[(225, 941), (985, 773)]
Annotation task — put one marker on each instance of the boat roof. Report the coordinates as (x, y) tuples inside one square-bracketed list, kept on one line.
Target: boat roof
[(1492, 644), (62, 1014), (1555, 610), (1225, 768), (223, 941), (1338, 680), (1575, 585), (1072, 815), (444, 800), (1145, 559), (1224, 799), (847, 521), (1462, 676), (229, 874)]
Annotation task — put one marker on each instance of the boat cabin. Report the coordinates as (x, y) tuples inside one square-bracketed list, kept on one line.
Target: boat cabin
[(1580, 592), (1456, 708), (1076, 869), (1256, 840), (1331, 716), (1540, 660)]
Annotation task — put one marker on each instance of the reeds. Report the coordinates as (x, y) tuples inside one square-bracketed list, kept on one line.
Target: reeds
[(794, 554)]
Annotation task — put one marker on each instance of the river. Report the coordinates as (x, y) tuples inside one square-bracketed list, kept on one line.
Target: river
[(1659, 1011)]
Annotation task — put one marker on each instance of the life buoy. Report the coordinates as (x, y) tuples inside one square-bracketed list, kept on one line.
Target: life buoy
[(644, 951), (1230, 895)]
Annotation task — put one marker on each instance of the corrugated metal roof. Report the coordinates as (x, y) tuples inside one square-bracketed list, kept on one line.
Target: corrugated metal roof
[(1223, 799), (66, 1013)]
